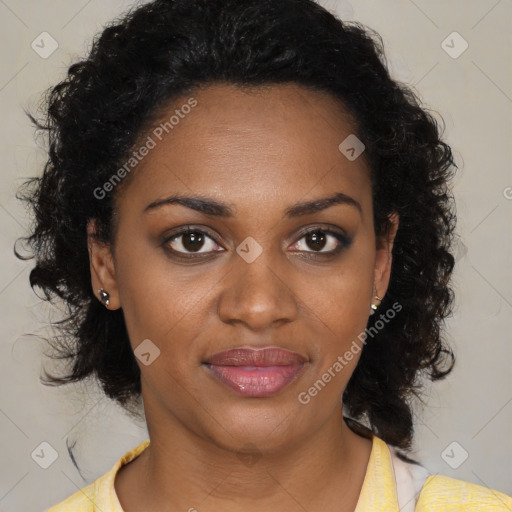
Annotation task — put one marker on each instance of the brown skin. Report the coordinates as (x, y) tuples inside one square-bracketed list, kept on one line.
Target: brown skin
[(260, 151)]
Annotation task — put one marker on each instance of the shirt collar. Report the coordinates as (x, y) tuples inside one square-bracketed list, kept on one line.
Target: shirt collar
[(379, 489)]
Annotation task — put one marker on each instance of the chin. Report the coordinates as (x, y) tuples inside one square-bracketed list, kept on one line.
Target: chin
[(267, 428)]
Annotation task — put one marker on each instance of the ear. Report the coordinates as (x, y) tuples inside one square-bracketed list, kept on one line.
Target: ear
[(102, 266), (383, 258)]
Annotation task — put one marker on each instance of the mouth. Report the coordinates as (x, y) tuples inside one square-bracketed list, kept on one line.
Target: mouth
[(255, 372)]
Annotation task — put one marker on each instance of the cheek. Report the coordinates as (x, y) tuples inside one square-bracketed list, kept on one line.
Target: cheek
[(341, 307), (161, 302), (343, 296), (344, 314), (164, 308)]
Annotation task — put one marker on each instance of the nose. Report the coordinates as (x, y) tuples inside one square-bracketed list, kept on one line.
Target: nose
[(258, 294)]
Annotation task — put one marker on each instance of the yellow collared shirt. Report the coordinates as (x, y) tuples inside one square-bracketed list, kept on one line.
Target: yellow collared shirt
[(378, 493)]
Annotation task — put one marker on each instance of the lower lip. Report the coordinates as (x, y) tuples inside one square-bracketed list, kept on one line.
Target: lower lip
[(255, 381)]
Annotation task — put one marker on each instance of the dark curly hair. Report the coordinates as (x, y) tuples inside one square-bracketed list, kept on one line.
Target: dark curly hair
[(155, 54)]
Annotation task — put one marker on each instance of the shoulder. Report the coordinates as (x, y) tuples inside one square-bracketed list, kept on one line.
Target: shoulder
[(82, 501), (441, 493), (451, 495), (100, 494)]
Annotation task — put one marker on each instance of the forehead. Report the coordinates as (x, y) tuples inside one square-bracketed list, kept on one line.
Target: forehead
[(247, 144)]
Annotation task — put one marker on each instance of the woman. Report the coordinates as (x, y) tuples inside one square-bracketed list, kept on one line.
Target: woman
[(251, 225)]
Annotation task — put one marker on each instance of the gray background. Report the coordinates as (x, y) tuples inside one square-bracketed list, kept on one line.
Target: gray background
[(472, 92)]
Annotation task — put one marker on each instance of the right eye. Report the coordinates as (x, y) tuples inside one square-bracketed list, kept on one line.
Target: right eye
[(190, 241)]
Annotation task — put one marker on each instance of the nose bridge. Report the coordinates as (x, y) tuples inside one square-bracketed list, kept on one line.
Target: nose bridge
[(256, 290)]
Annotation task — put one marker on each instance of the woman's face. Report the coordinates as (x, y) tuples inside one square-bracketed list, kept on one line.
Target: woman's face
[(248, 275)]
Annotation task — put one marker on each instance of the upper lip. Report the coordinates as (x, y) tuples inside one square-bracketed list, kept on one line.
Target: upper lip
[(268, 356)]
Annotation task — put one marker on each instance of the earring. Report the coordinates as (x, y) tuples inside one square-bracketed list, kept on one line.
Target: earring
[(373, 306), (104, 297)]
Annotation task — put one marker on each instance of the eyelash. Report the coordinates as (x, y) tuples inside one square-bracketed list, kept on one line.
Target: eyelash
[(343, 242)]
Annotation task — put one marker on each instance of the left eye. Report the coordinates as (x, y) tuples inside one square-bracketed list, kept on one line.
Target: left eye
[(320, 239)]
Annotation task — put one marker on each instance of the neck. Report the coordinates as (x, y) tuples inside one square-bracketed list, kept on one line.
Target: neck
[(182, 470)]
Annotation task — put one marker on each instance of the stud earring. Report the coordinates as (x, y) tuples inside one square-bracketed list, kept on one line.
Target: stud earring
[(104, 297), (373, 306)]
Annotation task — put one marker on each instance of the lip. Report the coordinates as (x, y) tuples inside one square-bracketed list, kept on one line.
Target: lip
[(256, 372)]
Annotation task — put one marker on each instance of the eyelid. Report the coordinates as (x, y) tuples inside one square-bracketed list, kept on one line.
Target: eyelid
[(326, 228)]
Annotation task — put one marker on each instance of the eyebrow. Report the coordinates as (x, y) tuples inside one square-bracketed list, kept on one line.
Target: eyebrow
[(210, 206)]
